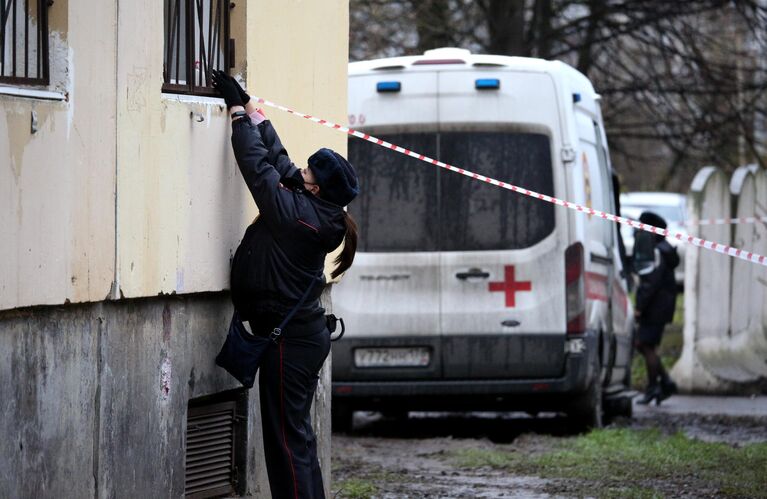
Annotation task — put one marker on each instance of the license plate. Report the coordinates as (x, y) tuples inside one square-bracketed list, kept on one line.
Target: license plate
[(392, 357)]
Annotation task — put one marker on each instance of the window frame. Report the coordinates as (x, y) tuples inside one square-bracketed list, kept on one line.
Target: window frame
[(191, 87), (43, 43)]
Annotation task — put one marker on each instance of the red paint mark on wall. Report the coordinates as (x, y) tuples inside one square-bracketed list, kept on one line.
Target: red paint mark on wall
[(165, 376)]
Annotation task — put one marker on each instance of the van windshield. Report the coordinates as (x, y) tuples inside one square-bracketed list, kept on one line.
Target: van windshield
[(408, 205)]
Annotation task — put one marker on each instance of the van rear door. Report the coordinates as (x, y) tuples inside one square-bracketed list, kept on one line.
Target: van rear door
[(389, 298), (502, 280)]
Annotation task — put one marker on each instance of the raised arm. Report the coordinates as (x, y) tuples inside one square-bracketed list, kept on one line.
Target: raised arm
[(252, 154), (278, 156), (261, 177)]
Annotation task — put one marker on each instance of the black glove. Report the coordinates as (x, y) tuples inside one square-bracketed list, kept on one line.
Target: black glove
[(243, 94), (227, 87)]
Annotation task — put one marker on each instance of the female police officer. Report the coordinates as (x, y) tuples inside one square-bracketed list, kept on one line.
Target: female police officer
[(301, 219), (654, 262)]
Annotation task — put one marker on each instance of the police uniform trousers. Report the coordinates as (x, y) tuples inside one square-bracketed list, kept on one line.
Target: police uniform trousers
[(288, 377), (650, 333)]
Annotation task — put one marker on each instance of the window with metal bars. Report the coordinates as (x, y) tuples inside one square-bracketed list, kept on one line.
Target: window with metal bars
[(216, 445), (196, 42), (24, 41)]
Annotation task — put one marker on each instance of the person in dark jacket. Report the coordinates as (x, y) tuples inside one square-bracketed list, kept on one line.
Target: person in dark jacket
[(654, 261), (282, 254)]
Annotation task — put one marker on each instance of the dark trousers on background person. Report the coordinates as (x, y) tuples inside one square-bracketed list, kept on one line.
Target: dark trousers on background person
[(659, 384), (288, 377)]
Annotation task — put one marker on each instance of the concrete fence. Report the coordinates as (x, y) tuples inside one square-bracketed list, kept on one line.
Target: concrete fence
[(725, 330)]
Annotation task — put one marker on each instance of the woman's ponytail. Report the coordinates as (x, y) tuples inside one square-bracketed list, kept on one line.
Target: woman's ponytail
[(345, 259)]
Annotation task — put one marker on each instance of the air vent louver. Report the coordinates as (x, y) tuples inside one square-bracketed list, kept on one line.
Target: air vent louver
[(210, 457)]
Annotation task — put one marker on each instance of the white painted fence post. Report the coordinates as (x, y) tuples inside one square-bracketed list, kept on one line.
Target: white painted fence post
[(741, 359), (707, 283), (760, 246)]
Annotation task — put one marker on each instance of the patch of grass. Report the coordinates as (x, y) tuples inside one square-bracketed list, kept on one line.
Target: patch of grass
[(630, 492), (356, 489), (369, 481), (639, 463), (482, 458)]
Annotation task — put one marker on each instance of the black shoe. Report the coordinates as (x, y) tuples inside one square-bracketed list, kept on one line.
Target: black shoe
[(667, 389), (653, 392)]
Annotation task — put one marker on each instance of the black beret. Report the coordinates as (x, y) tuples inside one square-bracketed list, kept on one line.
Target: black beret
[(335, 176), (650, 218)]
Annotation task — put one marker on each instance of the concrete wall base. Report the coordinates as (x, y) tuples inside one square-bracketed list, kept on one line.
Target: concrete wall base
[(95, 397), (692, 377)]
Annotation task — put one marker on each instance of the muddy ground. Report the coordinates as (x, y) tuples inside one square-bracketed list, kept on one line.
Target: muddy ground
[(413, 458)]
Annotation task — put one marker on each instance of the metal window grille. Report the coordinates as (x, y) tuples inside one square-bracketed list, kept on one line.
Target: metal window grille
[(210, 450), (196, 42), (24, 41)]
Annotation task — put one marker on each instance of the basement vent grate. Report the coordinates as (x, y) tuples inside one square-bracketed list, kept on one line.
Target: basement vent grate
[(210, 450)]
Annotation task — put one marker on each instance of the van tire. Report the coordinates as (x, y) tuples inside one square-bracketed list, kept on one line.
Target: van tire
[(625, 407), (341, 417), (586, 410)]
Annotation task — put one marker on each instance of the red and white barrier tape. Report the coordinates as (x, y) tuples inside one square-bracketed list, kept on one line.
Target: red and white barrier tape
[(726, 221), (681, 236)]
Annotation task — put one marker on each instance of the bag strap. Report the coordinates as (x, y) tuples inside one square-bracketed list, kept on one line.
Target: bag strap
[(276, 332)]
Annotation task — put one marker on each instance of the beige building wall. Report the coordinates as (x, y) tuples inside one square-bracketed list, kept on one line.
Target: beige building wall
[(182, 206), (127, 189), (57, 185)]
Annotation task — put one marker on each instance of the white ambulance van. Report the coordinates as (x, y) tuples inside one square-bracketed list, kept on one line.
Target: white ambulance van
[(463, 295)]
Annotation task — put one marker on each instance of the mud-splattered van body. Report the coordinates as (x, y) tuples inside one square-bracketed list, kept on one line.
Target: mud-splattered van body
[(464, 295)]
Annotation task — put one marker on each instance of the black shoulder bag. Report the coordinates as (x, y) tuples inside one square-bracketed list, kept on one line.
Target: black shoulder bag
[(242, 351)]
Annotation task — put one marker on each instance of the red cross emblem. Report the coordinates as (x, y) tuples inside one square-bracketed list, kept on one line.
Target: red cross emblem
[(510, 285)]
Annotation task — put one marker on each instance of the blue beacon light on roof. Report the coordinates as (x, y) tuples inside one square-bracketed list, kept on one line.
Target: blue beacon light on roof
[(388, 86), (487, 84)]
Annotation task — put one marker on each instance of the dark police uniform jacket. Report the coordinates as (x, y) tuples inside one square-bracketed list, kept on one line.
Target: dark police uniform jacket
[(656, 295), (284, 250)]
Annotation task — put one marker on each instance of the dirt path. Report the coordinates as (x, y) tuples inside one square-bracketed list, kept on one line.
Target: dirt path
[(413, 468), (415, 458)]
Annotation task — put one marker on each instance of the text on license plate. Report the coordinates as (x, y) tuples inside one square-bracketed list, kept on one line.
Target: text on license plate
[(392, 357)]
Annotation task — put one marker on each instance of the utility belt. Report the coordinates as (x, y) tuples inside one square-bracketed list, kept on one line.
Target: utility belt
[(263, 324)]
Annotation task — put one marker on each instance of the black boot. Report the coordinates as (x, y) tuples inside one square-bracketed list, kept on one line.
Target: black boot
[(652, 392), (667, 389)]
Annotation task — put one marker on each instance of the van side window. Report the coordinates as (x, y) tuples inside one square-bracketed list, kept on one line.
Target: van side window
[(407, 205), (606, 203)]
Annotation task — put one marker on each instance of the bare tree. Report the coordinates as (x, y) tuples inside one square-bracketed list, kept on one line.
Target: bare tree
[(683, 82)]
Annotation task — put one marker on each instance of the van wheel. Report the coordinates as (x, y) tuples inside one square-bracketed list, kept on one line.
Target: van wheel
[(586, 409), (342, 417), (625, 407)]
